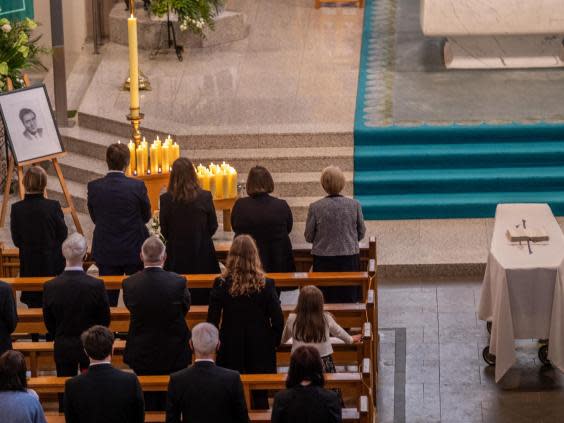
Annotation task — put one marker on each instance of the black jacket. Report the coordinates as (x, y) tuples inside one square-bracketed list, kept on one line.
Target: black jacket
[(188, 229), (8, 317), (206, 393), (251, 327), (306, 404), (104, 394), (72, 303), (269, 221), (120, 208), (38, 230), (158, 333)]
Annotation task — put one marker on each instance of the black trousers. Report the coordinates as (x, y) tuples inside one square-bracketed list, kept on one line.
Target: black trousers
[(352, 294), (115, 270), (70, 367)]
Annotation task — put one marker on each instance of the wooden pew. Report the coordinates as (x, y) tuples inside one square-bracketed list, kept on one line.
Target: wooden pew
[(282, 280), (10, 262), (349, 383), (40, 354), (347, 315)]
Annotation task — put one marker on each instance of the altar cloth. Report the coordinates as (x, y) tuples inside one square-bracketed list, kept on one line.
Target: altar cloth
[(523, 292)]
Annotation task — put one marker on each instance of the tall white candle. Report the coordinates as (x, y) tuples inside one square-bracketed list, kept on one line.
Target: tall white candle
[(133, 66)]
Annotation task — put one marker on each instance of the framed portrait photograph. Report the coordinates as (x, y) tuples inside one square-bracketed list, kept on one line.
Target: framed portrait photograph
[(29, 124)]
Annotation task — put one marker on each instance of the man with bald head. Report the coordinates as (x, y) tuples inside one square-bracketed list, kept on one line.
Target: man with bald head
[(158, 301)]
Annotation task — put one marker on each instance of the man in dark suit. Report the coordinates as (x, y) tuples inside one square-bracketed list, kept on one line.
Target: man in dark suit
[(8, 317), (103, 394), (204, 392), (73, 302), (120, 208), (158, 337)]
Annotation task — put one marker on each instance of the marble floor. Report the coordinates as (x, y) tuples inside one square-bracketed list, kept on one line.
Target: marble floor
[(297, 71), (431, 369)]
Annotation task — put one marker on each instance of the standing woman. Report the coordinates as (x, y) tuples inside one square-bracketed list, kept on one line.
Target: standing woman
[(188, 222), (246, 304), (38, 230), (334, 226), (267, 219)]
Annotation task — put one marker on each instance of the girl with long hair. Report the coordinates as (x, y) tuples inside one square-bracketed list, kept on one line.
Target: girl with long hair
[(310, 325)]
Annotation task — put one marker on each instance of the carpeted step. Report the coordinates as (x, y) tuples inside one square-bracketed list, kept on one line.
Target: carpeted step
[(457, 134), (469, 180), (434, 156), (451, 205)]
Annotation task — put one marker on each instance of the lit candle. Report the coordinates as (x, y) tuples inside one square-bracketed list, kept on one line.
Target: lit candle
[(165, 151), (131, 166), (231, 183), (219, 187), (154, 158), (133, 66), (139, 152), (175, 152), (160, 170)]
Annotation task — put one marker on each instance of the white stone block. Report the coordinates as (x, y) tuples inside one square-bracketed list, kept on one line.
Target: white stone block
[(497, 33)]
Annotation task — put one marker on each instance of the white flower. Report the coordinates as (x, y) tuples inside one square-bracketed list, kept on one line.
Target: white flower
[(6, 27)]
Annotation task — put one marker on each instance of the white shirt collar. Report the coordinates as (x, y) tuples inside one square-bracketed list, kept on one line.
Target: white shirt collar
[(153, 267), (74, 269), (99, 363), (204, 359), (116, 171)]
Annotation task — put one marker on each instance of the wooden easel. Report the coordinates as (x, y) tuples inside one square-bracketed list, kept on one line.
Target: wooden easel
[(20, 169)]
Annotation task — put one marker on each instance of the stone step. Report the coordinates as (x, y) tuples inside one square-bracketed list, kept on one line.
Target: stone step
[(83, 169), (86, 165), (90, 127), (228, 27)]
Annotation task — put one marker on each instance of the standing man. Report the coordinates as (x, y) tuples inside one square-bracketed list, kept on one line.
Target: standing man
[(103, 394), (73, 302), (205, 392), (158, 301), (120, 208)]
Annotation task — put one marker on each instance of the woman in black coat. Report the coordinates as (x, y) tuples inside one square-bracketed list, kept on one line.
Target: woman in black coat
[(188, 222), (306, 400), (267, 219), (246, 304), (38, 230)]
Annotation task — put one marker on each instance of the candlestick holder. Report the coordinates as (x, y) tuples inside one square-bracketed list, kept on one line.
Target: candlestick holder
[(135, 117)]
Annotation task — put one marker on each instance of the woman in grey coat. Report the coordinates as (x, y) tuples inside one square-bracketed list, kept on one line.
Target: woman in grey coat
[(335, 226)]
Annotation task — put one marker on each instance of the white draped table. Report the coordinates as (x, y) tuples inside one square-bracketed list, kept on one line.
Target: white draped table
[(522, 293)]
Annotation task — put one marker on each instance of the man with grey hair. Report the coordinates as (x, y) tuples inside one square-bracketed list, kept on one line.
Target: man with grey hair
[(158, 302), (204, 392), (72, 303)]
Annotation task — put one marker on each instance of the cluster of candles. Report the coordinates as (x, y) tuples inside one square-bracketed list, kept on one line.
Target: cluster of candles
[(145, 159), (221, 180)]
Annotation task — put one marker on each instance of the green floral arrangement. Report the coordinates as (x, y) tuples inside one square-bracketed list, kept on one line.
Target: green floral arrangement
[(193, 15), (18, 51)]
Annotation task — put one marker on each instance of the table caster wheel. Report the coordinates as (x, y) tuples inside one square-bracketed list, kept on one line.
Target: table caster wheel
[(488, 358), (489, 327), (543, 355)]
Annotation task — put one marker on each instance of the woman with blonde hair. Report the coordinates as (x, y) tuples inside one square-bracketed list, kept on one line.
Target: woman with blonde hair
[(246, 304), (188, 222), (310, 325), (335, 225)]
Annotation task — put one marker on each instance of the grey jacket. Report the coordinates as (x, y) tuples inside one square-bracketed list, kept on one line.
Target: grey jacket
[(334, 226)]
